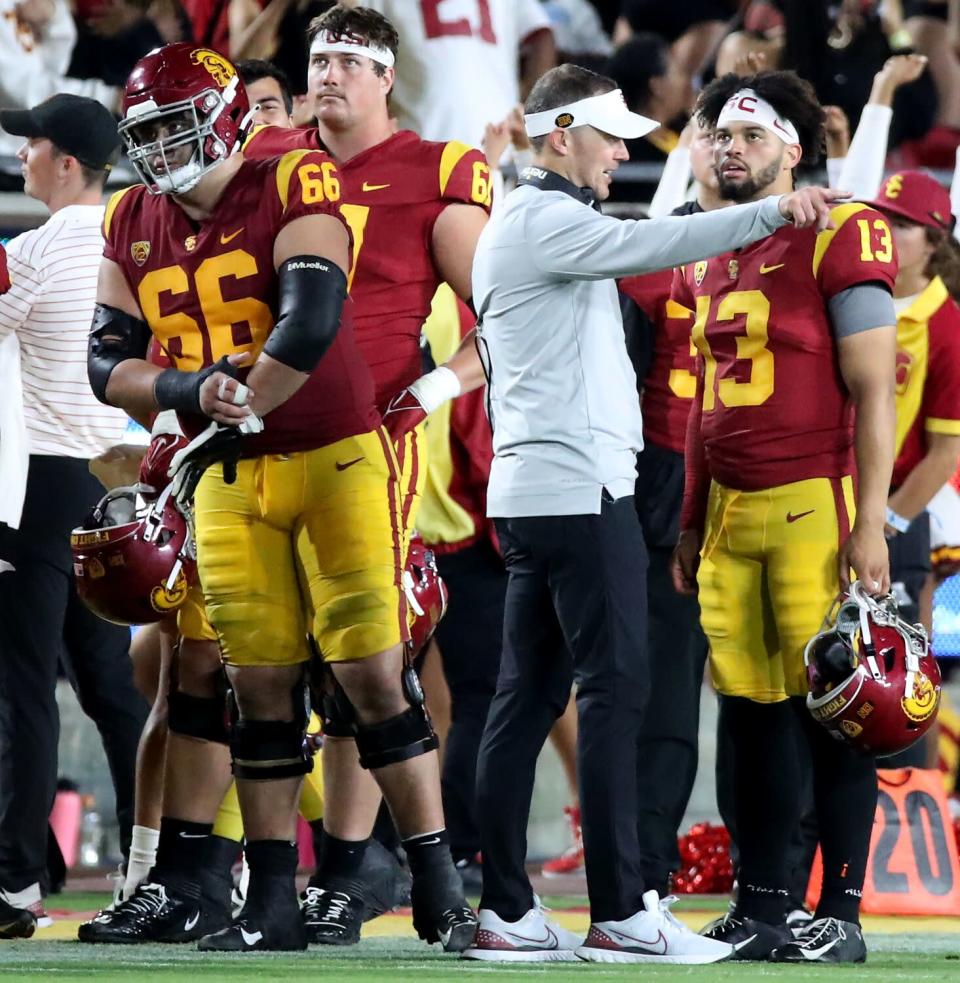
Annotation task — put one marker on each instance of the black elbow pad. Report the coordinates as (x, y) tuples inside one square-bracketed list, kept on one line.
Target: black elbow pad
[(115, 336), (312, 293)]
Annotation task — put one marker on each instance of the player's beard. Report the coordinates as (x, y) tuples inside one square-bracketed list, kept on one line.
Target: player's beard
[(752, 187)]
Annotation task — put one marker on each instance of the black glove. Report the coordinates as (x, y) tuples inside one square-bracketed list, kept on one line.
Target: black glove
[(217, 444)]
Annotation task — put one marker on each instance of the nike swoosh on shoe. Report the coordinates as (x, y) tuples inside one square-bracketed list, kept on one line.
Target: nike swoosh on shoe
[(251, 938), (821, 951), (737, 946)]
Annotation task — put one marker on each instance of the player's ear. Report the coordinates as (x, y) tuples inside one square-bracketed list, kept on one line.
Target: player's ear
[(387, 80), (792, 156)]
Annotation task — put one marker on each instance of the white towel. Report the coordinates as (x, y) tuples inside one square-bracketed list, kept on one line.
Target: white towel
[(14, 453)]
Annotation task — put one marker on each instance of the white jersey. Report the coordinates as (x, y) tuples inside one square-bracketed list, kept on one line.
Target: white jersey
[(458, 66)]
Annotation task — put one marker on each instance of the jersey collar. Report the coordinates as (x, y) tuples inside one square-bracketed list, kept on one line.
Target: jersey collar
[(544, 180)]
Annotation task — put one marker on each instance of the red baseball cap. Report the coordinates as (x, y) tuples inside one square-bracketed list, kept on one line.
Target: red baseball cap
[(918, 197)]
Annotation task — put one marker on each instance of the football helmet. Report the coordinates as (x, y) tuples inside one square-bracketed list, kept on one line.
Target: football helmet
[(426, 594), (873, 681), (185, 109), (133, 563)]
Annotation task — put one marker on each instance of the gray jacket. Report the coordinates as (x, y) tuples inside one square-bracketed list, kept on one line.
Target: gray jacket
[(562, 392)]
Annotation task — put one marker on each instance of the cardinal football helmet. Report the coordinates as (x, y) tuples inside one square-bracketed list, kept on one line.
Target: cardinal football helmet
[(873, 681), (133, 563), (179, 97), (426, 594)]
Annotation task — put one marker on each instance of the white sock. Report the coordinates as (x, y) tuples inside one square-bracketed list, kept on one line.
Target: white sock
[(143, 856)]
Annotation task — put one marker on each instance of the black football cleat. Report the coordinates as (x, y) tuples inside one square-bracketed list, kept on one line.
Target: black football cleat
[(153, 913), (752, 940), (16, 923), (824, 940), (331, 917), (440, 911), (386, 882), (253, 931)]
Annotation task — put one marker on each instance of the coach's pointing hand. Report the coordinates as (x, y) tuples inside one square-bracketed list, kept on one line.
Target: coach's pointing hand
[(811, 206)]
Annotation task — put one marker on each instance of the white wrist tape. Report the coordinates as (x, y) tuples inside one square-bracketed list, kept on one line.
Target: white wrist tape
[(436, 388), (240, 395)]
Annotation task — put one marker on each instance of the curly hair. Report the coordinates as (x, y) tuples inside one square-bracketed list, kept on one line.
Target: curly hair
[(357, 22), (791, 96), (945, 260)]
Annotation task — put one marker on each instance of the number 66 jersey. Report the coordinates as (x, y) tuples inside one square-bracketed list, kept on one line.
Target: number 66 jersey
[(209, 289), (775, 409)]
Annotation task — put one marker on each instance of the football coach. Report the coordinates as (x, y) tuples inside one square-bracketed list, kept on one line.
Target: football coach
[(562, 398)]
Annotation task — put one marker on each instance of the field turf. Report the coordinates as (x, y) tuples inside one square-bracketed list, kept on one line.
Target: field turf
[(906, 949)]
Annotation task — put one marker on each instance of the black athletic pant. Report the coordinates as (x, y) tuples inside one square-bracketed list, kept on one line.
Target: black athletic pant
[(668, 745), (575, 608), (470, 637), (40, 617)]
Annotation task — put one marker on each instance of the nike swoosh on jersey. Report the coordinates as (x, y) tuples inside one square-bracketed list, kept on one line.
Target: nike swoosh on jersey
[(192, 921), (791, 517), (343, 467), (769, 269), (374, 187), (224, 239), (251, 938)]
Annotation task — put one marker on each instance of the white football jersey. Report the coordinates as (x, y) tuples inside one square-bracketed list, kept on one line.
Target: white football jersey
[(458, 66)]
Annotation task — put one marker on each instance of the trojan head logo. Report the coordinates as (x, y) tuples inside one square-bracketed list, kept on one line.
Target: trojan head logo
[(733, 269), (923, 701), (140, 251), (904, 368), (564, 120), (219, 68), (893, 187), (699, 271), (165, 600), (190, 243), (851, 728)]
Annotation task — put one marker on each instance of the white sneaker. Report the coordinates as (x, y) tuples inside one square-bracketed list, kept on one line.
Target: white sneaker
[(650, 936), (531, 939), (30, 899)]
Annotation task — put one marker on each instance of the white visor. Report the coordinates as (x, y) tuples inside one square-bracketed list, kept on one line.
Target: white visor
[(746, 106), (607, 112), (349, 44)]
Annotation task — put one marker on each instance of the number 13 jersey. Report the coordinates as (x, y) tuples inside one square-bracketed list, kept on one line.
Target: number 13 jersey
[(775, 408)]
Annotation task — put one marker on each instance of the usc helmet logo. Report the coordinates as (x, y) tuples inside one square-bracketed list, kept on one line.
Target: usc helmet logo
[(219, 68), (893, 187), (922, 702), (165, 600)]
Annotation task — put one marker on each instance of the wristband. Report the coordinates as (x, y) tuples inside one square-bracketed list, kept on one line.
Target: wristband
[(896, 521), (436, 388), (176, 390)]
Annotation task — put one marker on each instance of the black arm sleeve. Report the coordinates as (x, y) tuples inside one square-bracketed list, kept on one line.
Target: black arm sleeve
[(312, 294), (115, 336)]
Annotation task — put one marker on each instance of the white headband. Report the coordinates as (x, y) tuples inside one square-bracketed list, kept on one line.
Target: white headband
[(607, 112), (746, 106), (327, 43)]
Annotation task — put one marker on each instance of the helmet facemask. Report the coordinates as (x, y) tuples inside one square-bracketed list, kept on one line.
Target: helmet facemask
[(199, 114)]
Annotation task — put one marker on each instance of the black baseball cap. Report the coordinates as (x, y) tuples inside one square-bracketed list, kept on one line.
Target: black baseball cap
[(77, 126)]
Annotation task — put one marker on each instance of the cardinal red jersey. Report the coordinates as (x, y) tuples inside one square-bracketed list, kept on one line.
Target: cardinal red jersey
[(928, 374), (392, 195), (775, 408), (671, 381), (209, 289)]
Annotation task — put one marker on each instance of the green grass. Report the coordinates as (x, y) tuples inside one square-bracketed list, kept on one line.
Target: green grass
[(892, 959)]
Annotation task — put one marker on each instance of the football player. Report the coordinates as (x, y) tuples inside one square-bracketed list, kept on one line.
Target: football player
[(239, 266), (416, 210), (796, 339)]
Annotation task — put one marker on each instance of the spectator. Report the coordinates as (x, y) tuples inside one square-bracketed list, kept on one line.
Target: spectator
[(655, 86), (71, 143), (456, 74), (36, 39)]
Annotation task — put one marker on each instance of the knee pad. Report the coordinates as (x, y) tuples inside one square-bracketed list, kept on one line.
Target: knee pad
[(407, 735), (202, 717), (265, 750)]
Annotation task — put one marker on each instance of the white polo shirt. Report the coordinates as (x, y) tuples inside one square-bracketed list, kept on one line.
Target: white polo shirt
[(53, 273)]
